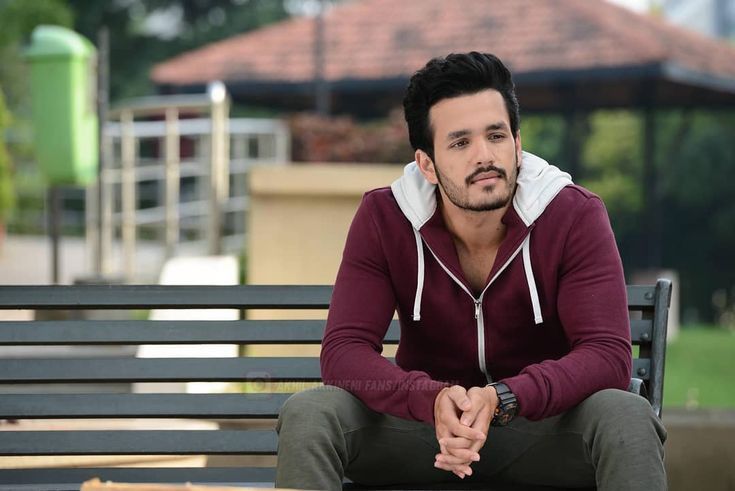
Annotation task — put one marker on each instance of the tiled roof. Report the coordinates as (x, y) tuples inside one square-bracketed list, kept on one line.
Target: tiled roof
[(384, 39)]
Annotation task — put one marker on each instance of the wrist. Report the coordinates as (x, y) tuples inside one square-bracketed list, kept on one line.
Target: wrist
[(506, 402), (491, 395)]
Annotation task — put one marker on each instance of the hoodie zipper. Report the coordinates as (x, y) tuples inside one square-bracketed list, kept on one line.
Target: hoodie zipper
[(479, 317)]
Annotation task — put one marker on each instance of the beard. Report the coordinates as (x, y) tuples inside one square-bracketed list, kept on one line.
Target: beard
[(459, 195)]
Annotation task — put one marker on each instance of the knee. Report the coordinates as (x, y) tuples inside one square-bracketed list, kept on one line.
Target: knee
[(312, 409), (622, 414), (619, 401)]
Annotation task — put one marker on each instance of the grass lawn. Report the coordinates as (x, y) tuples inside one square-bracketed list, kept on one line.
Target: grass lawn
[(700, 368)]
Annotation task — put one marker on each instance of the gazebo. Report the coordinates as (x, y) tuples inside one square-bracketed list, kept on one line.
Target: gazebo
[(568, 57)]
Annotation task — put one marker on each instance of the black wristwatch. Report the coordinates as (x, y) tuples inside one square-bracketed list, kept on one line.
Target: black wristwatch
[(507, 405)]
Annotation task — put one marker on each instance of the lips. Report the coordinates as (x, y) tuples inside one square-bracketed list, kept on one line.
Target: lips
[(485, 176), (488, 174)]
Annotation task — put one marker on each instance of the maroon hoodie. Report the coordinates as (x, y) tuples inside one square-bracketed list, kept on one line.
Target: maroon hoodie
[(552, 322)]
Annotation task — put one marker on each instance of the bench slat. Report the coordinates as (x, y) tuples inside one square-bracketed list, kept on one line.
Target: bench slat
[(139, 442), (83, 370), (98, 332), (641, 296), (164, 296), (48, 406), (254, 369), (242, 476), (198, 297)]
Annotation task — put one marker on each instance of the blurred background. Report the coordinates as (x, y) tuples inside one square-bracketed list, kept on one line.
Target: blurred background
[(248, 129)]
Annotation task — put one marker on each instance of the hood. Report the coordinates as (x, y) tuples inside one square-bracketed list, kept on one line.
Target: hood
[(538, 184)]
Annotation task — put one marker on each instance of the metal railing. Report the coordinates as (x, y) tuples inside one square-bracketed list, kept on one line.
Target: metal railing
[(195, 195)]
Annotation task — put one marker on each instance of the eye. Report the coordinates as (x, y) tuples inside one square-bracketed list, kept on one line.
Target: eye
[(459, 143), (496, 136)]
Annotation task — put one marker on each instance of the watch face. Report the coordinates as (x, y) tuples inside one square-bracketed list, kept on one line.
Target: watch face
[(507, 406), (505, 415)]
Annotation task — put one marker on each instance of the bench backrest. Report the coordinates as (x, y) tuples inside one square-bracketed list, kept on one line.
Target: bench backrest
[(648, 306)]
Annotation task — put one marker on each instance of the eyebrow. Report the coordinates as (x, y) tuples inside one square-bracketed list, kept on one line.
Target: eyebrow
[(500, 125)]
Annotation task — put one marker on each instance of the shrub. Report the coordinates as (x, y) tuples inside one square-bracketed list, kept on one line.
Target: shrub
[(340, 139)]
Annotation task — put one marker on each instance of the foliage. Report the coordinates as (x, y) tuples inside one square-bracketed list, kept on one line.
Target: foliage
[(144, 32), (543, 135), (19, 17), (700, 368), (7, 196), (612, 165), (696, 162)]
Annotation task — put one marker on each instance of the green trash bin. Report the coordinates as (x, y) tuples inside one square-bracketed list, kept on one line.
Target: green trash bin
[(64, 91)]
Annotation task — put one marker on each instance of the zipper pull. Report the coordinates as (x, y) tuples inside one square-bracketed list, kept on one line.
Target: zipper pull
[(477, 309)]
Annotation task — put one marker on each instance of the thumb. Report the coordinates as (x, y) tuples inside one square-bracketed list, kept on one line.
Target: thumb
[(458, 395)]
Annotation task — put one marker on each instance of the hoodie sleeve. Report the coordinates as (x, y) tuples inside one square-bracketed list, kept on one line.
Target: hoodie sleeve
[(593, 311), (362, 306)]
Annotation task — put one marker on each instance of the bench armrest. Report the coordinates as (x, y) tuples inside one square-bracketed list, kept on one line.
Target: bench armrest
[(637, 386)]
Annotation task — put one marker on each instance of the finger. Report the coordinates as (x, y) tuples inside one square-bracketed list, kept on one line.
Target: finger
[(468, 418), (480, 404), (468, 432), (467, 450), (446, 467), (446, 414), (450, 460), (481, 424), (465, 457), (458, 395), (456, 442), (459, 470)]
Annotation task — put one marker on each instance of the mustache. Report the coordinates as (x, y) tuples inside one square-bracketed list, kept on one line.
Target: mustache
[(490, 168)]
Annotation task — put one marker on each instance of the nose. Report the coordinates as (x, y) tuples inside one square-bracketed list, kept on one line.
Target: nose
[(484, 153)]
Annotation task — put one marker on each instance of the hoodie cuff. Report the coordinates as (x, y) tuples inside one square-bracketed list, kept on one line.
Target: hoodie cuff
[(526, 394), (421, 398)]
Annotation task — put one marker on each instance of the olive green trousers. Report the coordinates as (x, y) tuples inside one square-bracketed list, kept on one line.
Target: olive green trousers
[(612, 440)]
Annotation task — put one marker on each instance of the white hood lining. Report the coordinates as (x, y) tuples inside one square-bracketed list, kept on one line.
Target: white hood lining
[(538, 184)]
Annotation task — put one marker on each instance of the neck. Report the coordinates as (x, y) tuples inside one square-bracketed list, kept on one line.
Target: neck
[(476, 231)]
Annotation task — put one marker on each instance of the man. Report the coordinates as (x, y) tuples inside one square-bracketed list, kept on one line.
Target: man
[(515, 340)]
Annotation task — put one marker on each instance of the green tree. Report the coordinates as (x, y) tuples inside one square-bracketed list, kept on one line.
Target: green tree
[(543, 135), (145, 32), (18, 18), (696, 164), (7, 196), (612, 162)]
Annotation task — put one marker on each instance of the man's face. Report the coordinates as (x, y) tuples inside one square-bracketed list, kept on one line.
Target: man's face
[(475, 155)]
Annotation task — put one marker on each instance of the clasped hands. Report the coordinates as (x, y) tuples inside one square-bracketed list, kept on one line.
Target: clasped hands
[(462, 418)]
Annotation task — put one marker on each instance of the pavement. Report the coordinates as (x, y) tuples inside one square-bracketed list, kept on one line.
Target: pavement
[(26, 260)]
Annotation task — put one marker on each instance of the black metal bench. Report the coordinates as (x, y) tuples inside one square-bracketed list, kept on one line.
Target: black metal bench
[(648, 306)]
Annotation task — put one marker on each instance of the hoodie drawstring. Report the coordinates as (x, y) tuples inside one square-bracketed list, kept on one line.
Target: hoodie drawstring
[(530, 280), (538, 319), (419, 276)]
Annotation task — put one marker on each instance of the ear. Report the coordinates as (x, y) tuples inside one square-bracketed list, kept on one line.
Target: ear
[(426, 166), (519, 148)]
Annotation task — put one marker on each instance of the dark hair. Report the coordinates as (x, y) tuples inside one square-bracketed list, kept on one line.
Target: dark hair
[(456, 75)]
